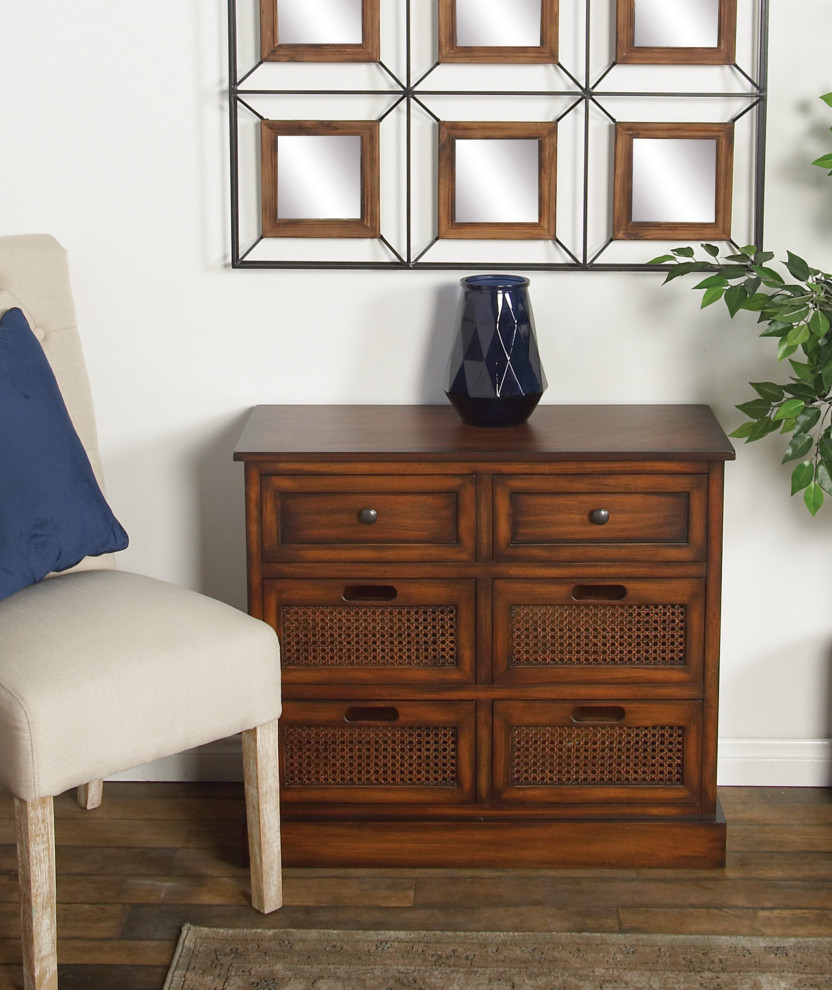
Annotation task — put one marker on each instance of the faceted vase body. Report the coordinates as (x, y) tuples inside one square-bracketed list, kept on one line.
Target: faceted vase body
[(494, 375)]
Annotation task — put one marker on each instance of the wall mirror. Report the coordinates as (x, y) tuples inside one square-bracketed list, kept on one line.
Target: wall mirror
[(319, 179), (673, 181), (319, 30), (482, 134), (666, 32), (497, 30), (496, 180)]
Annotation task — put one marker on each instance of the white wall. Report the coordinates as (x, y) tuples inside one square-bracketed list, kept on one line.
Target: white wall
[(113, 129)]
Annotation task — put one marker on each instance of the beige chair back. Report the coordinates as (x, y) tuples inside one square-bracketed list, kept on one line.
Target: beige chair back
[(34, 275)]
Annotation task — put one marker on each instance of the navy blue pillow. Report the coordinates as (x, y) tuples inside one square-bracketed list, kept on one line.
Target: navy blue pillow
[(52, 512)]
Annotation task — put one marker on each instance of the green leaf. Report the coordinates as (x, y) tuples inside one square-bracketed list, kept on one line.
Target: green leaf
[(742, 431), (827, 99), (807, 419), (813, 497), (801, 369), (801, 391), (791, 314), (749, 250), (712, 250), (803, 475), (818, 323), (755, 302), (711, 296), (711, 281), (785, 349), (789, 409), (755, 408), (662, 259), (798, 334), (683, 252), (734, 298), (767, 390), (825, 448), (736, 271), (826, 375), (825, 161), (769, 275), (799, 445), (761, 429), (684, 268), (824, 477), (761, 257), (796, 265)]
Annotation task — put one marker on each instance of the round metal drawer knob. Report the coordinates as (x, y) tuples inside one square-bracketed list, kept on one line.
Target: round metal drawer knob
[(367, 516), (599, 516)]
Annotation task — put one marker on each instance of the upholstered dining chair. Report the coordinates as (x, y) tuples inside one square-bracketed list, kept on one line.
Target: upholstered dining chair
[(100, 670)]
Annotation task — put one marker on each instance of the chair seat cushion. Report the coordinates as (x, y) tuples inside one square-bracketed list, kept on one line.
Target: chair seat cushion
[(52, 511), (103, 670)]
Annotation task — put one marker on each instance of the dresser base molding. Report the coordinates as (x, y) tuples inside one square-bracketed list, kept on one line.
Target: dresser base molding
[(619, 844)]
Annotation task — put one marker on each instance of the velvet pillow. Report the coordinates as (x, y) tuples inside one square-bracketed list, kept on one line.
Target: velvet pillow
[(52, 512)]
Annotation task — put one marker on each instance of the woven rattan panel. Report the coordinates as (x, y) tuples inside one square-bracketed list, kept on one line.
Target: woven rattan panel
[(597, 755), (393, 636), (367, 756), (598, 635)]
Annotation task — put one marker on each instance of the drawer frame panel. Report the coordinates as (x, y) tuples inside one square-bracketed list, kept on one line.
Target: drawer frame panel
[(343, 722)]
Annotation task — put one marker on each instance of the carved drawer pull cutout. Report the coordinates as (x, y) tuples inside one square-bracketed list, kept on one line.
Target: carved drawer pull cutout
[(357, 713), (599, 593), (598, 713), (369, 593)]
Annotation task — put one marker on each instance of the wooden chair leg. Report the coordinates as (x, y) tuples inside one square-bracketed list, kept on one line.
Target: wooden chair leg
[(90, 795), (36, 864), (260, 771)]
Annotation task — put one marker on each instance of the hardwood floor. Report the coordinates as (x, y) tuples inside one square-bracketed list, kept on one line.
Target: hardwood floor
[(155, 856)]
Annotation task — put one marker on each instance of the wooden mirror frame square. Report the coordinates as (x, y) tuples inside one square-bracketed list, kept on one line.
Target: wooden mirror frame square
[(544, 132), (367, 225), (628, 53), (625, 228), (272, 50), (545, 52)]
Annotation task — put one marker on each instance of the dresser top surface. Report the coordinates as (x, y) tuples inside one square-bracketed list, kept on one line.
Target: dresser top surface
[(574, 432)]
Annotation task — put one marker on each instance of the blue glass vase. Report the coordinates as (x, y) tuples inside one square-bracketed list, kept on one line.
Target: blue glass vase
[(494, 375)]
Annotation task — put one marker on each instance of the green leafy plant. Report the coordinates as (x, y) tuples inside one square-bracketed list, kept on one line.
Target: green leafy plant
[(796, 308)]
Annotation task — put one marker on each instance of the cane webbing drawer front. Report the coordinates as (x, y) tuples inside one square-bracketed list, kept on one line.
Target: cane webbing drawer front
[(590, 630), (598, 517), (368, 518), (391, 751), (595, 752), (348, 631), (499, 647)]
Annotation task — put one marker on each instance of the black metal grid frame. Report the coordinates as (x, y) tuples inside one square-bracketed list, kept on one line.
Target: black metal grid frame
[(411, 93)]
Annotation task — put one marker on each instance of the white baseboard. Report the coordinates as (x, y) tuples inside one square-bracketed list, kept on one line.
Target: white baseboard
[(775, 763), (742, 762)]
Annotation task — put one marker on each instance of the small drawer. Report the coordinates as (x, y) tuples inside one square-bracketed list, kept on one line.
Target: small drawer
[(377, 751), (600, 517), (344, 631), (311, 518), (598, 630), (552, 752)]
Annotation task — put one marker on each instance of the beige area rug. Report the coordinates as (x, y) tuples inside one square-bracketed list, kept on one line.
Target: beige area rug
[(231, 959)]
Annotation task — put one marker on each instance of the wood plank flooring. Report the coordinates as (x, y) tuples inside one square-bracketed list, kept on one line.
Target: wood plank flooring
[(157, 855)]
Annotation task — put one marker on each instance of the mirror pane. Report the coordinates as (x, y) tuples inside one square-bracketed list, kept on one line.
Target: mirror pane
[(497, 180), (495, 23), (674, 180), (319, 22), (676, 23), (319, 177)]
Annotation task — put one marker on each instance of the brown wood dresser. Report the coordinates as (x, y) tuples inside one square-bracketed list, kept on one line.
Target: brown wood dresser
[(500, 646)]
